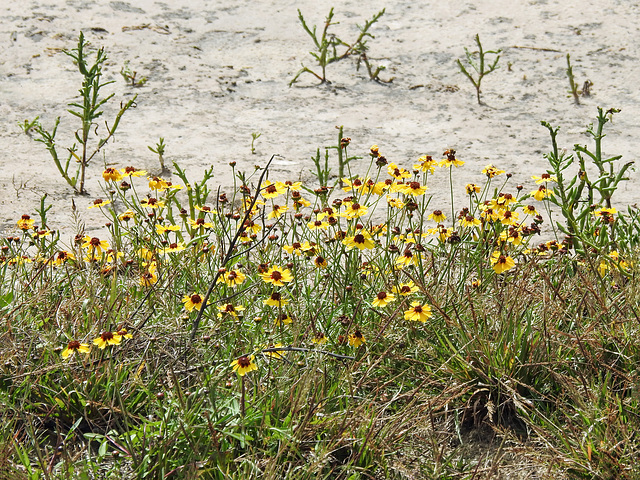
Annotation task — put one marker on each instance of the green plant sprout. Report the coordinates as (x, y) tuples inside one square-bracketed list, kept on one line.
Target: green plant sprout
[(323, 171), (254, 137), (327, 48), (479, 62), (29, 126), (572, 84), (159, 150), (576, 197), (88, 111), (130, 76)]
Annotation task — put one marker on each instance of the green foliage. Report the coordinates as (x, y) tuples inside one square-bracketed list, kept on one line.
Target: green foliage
[(590, 221), (478, 61), (572, 84), (254, 137), (159, 150), (87, 110), (327, 45), (130, 76)]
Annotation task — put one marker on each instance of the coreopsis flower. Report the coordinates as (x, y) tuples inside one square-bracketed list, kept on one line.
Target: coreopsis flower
[(413, 188), (205, 209), (356, 185), (149, 276), (606, 214), (277, 276), (514, 236), (418, 312), (230, 309), (361, 240), (75, 346), (529, 210), (252, 227), (426, 164), (97, 203), (133, 172), (406, 289), (406, 259), (356, 338), (62, 257), (397, 172), (151, 203), (200, 223), (451, 159), (107, 338), (437, 216), (383, 299), (277, 211), (319, 338), (541, 193), (501, 263), (296, 248), (274, 354), (489, 213), (320, 262), (505, 199), (472, 188), (95, 245), (469, 221), (173, 248), (123, 333), (544, 178), (232, 278), (373, 151), (490, 171), (111, 175), (282, 319), (317, 225), (353, 210), (299, 202), (509, 217), (193, 302), (276, 300), (26, 222), (41, 234), (395, 202), (443, 233), (244, 365), (158, 184), (271, 190), (162, 229), (377, 188), (292, 186), (126, 216)]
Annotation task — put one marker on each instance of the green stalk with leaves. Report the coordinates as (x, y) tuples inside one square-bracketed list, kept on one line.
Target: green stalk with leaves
[(87, 110), (478, 61)]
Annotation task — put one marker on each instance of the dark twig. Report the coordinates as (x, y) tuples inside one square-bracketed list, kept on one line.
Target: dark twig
[(229, 254)]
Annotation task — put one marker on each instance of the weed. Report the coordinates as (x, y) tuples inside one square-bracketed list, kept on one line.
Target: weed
[(30, 126), (479, 62), (327, 45), (573, 86), (254, 137), (159, 150), (88, 111), (130, 76)]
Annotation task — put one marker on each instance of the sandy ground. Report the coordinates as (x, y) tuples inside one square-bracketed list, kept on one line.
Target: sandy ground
[(218, 71)]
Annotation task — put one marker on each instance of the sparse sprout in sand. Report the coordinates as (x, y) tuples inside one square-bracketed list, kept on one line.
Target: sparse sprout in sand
[(254, 136), (130, 76), (478, 61), (327, 44)]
